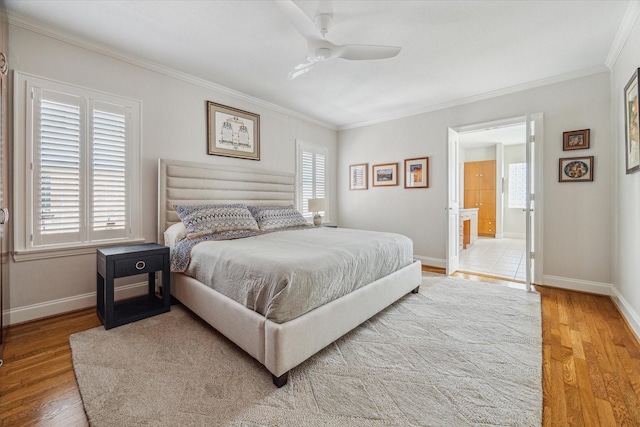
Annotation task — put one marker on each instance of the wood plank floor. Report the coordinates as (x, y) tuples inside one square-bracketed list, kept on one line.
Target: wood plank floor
[(591, 365)]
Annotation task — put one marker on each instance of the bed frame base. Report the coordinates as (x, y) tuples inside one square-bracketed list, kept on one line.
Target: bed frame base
[(281, 380)]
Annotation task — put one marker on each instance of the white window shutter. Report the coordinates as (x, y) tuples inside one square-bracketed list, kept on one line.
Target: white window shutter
[(58, 179), (312, 176), (109, 172)]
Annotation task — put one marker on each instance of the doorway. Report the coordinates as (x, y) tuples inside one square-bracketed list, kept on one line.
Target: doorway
[(501, 214)]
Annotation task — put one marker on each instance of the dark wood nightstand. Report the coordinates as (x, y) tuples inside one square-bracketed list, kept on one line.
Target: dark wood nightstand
[(123, 261)]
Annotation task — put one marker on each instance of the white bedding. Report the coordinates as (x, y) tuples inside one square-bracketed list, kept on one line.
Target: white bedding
[(285, 274)]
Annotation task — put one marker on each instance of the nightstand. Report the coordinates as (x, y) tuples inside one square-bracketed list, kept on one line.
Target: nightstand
[(124, 261)]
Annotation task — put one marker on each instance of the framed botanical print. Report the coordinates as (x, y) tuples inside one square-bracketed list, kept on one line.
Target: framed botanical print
[(358, 179), (232, 132), (385, 175), (416, 173), (632, 142)]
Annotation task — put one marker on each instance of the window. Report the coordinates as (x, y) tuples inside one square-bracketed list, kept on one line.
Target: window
[(517, 185), (311, 177), (81, 163)]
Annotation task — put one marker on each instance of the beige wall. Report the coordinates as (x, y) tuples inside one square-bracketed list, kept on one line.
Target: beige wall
[(577, 216), (626, 189), (173, 126)]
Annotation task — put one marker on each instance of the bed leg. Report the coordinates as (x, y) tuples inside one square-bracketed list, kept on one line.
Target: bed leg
[(415, 291), (281, 380)]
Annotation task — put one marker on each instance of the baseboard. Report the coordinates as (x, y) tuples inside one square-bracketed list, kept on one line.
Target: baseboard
[(515, 235), (630, 315), (432, 262), (64, 305), (578, 285)]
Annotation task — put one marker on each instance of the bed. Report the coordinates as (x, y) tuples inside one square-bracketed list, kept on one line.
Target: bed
[(279, 343)]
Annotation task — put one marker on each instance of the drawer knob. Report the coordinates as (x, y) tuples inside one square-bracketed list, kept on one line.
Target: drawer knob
[(140, 265)]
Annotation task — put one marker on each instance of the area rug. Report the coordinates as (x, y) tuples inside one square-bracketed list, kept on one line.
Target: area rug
[(458, 353)]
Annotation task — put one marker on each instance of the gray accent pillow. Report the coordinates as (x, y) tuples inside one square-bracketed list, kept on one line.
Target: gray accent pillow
[(203, 220), (275, 217)]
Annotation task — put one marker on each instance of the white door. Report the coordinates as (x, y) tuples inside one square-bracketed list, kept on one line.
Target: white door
[(533, 255), (453, 204)]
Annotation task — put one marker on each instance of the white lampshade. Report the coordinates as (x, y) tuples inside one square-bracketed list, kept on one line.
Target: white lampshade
[(316, 205)]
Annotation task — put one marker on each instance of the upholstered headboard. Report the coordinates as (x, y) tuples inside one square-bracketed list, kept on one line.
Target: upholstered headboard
[(187, 183)]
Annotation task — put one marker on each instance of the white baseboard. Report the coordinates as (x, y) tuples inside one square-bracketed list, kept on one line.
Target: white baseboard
[(578, 285), (431, 262), (515, 235), (627, 311), (64, 305)]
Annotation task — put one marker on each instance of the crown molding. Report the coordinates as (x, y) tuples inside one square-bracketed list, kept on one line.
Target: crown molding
[(482, 97), (630, 17), (56, 34)]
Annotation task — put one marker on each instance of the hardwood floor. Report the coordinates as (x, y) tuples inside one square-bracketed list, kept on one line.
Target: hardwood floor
[(591, 365)]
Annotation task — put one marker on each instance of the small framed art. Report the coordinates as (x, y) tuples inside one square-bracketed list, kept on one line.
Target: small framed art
[(575, 140), (576, 169), (358, 179), (416, 173), (631, 125), (232, 132), (385, 175)]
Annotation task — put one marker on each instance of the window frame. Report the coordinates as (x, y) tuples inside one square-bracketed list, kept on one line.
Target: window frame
[(25, 152), (315, 149)]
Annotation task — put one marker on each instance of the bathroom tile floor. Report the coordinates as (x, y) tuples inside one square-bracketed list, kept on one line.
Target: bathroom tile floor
[(495, 257)]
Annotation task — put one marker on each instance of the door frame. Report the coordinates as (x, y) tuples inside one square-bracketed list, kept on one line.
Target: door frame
[(538, 120)]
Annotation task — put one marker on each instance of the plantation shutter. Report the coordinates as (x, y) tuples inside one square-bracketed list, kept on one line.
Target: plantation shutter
[(109, 171), (58, 177), (312, 174), (79, 169)]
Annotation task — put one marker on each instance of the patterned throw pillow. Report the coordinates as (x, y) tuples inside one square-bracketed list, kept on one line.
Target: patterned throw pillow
[(275, 217), (210, 219)]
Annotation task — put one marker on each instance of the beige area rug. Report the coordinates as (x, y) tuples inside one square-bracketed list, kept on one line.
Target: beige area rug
[(459, 353)]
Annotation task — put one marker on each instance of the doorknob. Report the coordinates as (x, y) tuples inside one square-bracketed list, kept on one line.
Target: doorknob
[(4, 215)]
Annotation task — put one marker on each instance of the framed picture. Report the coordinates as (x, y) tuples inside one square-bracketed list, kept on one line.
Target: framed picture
[(385, 175), (631, 142), (416, 173), (575, 140), (232, 132), (576, 169), (358, 179)]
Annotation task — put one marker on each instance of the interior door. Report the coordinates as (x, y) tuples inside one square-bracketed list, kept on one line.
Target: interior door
[(453, 204), (4, 170), (530, 201)]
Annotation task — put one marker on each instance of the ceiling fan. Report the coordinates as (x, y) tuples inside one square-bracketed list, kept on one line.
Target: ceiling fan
[(319, 48)]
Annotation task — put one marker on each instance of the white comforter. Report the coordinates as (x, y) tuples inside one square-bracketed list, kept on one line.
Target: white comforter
[(285, 274)]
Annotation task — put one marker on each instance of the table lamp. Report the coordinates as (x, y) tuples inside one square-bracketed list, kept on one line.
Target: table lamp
[(316, 205)]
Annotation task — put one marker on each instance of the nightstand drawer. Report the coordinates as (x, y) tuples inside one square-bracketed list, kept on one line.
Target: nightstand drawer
[(138, 265)]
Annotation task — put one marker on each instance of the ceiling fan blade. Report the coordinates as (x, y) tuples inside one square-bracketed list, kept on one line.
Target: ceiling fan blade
[(302, 23), (365, 52), (300, 69)]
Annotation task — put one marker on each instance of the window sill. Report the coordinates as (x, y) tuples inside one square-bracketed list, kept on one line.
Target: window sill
[(36, 254)]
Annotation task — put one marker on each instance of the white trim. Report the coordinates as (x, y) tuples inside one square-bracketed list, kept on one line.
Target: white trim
[(510, 235), (628, 20), (44, 30), (489, 95), (430, 261), (65, 305), (627, 311), (578, 285), (34, 254)]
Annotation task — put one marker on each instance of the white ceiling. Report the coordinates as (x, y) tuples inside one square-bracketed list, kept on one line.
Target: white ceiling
[(451, 50)]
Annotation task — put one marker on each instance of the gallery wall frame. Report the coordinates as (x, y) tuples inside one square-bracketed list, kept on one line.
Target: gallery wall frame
[(232, 132), (384, 175), (576, 169), (358, 176), (631, 125), (416, 173), (576, 140)]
